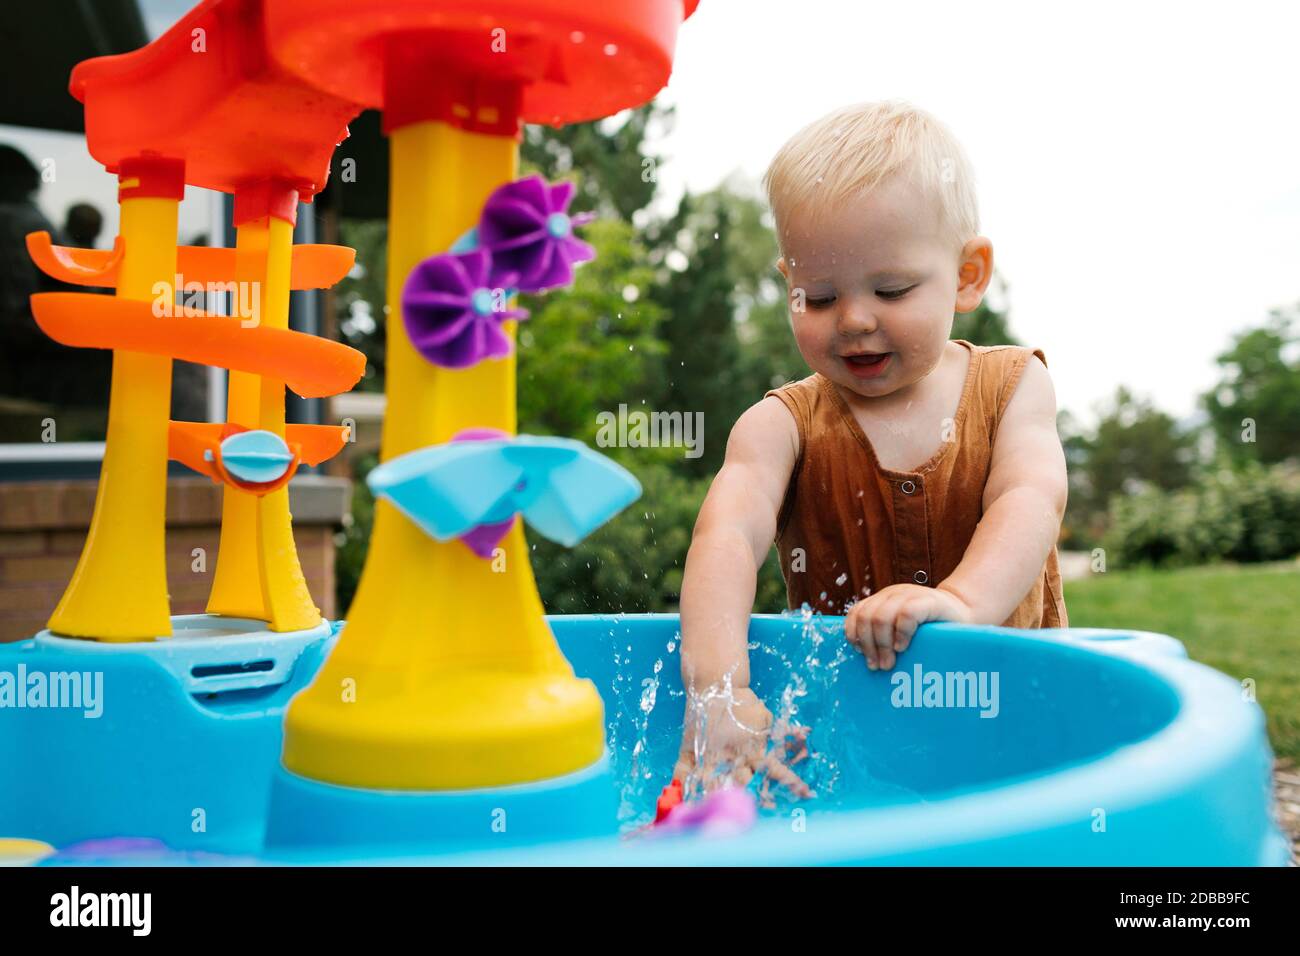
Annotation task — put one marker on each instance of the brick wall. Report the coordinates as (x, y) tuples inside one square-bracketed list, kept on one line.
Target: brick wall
[(43, 526)]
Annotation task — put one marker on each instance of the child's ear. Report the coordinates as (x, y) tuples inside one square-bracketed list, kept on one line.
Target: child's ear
[(783, 268), (974, 273)]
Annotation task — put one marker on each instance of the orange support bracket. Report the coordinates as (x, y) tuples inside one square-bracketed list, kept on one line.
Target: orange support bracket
[(314, 265), (197, 445), (313, 367), (93, 267)]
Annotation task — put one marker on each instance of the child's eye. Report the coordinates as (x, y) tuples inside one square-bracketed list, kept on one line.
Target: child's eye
[(820, 303), (892, 294)]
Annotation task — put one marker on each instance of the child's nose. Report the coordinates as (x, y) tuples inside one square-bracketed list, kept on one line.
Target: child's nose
[(856, 316)]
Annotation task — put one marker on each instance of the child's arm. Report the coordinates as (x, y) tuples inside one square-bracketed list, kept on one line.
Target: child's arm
[(732, 537), (1024, 500)]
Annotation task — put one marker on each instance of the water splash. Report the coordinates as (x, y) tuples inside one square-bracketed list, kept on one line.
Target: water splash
[(795, 677)]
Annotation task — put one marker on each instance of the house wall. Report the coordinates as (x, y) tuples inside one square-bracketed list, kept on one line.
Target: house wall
[(43, 526)]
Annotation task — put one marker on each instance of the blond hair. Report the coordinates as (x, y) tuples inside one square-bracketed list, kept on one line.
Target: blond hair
[(853, 150)]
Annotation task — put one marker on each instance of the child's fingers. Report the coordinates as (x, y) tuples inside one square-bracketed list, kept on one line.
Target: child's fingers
[(905, 625), (882, 634), (853, 628), (863, 635), (796, 748), (685, 765), (799, 732), (725, 765), (880, 627), (783, 775)]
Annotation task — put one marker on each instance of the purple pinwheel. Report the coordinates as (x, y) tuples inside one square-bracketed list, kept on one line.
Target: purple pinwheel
[(527, 228), (450, 306)]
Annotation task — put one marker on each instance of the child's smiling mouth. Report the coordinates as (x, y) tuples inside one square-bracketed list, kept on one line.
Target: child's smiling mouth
[(867, 364)]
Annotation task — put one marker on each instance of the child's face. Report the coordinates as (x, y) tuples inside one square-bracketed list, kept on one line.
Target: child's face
[(874, 284)]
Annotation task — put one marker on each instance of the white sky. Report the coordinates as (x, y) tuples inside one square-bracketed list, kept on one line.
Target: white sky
[(1138, 163)]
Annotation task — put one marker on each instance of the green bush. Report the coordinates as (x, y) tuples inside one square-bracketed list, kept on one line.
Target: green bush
[(1248, 513), (1268, 500)]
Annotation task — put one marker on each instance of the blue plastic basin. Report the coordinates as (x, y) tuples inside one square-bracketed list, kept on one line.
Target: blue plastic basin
[(1108, 748), (1099, 748)]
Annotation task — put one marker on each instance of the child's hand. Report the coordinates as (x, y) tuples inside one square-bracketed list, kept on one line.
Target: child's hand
[(882, 626), (730, 733)]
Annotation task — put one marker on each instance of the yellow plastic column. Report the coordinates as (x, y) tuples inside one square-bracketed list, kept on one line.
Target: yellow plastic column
[(237, 581), (446, 675), (258, 572), (284, 588), (119, 589)]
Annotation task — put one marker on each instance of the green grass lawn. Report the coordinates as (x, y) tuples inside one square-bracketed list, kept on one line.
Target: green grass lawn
[(1243, 620)]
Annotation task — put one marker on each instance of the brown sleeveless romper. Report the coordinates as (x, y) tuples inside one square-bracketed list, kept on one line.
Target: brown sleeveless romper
[(849, 527)]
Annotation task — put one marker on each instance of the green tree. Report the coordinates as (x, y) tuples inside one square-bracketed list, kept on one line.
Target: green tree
[(697, 292), (1255, 408), (595, 345), (769, 356), (615, 171), (359, 302), (1133, 446)]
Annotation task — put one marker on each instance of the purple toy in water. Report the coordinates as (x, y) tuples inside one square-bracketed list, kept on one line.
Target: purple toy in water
[(725, 812), (452, 306), (527, 228)]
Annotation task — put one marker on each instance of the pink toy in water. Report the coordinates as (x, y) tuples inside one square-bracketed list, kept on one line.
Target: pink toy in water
[(726, 812)]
